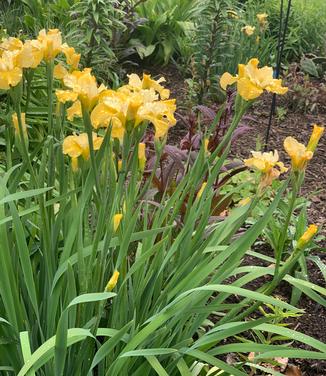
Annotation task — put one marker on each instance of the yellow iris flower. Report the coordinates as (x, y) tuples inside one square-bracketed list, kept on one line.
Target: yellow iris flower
[(268, 164), (160, 114), (148, 83), (252, 81), (112, 281), (299, 153), (77, 145), (51, 42), (10, 73), (248, 30), (30, 55), (112, 110), (82, 85), (307, 236), (10, 44)]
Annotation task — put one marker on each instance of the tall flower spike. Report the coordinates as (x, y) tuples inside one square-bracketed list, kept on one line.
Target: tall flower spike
[(268, 164), (252, 81)]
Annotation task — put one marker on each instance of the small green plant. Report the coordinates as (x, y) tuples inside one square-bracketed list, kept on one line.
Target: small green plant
[(167, 24), (281, 113)]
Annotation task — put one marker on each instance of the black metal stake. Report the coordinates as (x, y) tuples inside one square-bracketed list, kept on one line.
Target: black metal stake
[(280, 49)]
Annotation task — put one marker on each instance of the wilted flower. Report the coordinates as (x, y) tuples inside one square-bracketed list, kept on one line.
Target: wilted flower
[(248, 30), (112, 281), (77, 145), (10, 73), (299, 153), (252, 81), (116, 221), (267, 164), (307, 236), (51, 42)]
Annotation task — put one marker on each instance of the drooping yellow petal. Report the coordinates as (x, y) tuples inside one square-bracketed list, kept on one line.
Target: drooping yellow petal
[(74, 111), (226, 80), (66, 96), (59, 72), (112, 282)]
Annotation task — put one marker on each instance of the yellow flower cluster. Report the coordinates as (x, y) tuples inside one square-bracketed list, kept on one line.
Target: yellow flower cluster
[(268, 164), (138, 101), (299, 153), (16, 55), (252, 81)]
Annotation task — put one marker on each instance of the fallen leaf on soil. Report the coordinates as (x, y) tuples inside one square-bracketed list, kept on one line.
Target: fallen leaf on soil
[(293, 371)]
